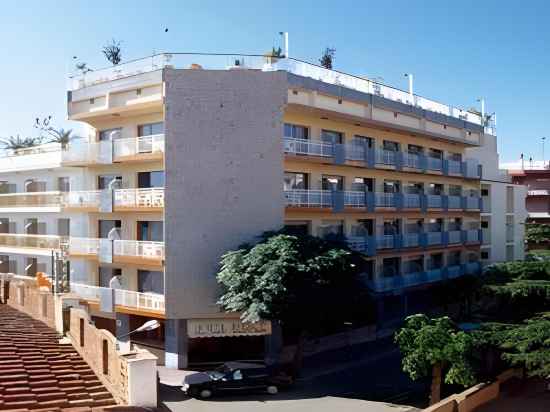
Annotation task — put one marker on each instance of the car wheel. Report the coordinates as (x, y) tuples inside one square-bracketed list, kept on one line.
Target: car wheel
[(205, 393), (272, 390)]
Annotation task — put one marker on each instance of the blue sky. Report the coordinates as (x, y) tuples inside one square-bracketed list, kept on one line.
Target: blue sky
[(457, 51)]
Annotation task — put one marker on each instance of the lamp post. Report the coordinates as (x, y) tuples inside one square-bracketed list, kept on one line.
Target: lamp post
[(411, 84), (147, 326), (285, 42)]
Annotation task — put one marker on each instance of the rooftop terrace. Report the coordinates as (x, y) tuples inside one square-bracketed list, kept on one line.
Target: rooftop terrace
[(268, 63)]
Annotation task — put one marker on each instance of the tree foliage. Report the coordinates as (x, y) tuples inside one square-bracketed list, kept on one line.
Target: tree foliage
[(327, 58), (302, 281), (426, 342), (113, 52), (18, 142), (61, 136), (537, 233)]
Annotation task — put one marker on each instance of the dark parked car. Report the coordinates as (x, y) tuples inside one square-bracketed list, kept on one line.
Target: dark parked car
[(234, 377)]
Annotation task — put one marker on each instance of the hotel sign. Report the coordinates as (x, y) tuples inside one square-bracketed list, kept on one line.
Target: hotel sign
[(210, 328)]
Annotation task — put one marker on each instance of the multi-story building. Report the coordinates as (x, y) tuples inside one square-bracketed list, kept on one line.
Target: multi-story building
[(535, 175), (503, 211), (189, 156)]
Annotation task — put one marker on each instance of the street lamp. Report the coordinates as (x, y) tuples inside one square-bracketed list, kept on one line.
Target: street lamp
[(411, 80), (146, 327)]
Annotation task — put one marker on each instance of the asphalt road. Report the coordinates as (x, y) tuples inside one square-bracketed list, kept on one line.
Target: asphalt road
[(340, 380)]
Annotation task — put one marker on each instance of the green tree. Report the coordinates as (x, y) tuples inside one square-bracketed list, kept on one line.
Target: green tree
[(18, 142), (327, 58), (61, 136), (113, 52), (432, 346), (537, 233), (305, 283)]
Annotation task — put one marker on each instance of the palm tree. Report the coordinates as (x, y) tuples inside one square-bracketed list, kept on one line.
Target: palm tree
[(113, 52), (18, 142), (61, 136)]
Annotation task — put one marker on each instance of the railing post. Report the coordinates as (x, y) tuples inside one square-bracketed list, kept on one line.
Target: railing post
[(339, 153), (423, 162), (446, 167), (445, 202), (463, 203), (399, 160), (399, 200), (445, 238), (337, 201), (370, 157), (370, 202)]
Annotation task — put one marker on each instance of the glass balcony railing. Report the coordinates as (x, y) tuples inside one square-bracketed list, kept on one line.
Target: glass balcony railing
[(454, 202), (108, 151), (455, 236), (308, 147), (411, 240), (45, 242), (122, 250), (472, 202), (123, 199), (454, 167), (386, 157), (30, 199), (386, 199), (434, 163), (434, 201), (472, 236), (434, 238), (412, 201)]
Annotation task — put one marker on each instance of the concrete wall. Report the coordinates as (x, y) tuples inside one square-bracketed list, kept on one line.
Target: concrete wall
[(224, 165), (27, 297)]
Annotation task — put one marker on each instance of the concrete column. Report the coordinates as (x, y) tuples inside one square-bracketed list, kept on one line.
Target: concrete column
[(176, 343), (273, 344)]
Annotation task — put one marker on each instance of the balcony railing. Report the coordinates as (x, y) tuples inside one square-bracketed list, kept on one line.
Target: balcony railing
[(454, 271), (386, 157), (454, 202), (486, 204), (472, 202), (455, 236), (108, 151), (412, 201), (386, 199), (127, 298), (386, 242), (266, 63), (434, 201), (412, 160), (46, 242), (38, 157), (472, 268), (434, 238), (434, 163), (454, 167), (355, 199), (472, 236), (308, 198), (86, 199), (139, 198), (30, 199), (411, 240), (308, 147), (121, 250)]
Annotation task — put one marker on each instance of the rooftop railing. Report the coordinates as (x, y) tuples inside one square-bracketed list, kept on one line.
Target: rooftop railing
[(213, 61)]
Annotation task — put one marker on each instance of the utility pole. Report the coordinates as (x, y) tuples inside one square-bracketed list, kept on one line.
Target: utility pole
[(543, 141)]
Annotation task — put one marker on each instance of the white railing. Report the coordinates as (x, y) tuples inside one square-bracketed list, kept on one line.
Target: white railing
[(386, 157), (137, 248), (30, 241), (455, 167), (355, 199), (385, 199), (411, 160), (128, 298), (138, 145), (455, 236), (139, 198), (139, 300), (265, 63), (84, 199), (38, 157), (308, 147), (308, 198), (411, 201)]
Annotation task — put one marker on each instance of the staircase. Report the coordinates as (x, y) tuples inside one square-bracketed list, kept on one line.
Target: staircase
[(37, 373)]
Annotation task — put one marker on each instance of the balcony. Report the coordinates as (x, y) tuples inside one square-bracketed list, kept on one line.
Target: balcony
[(47, 156), (386, 200), (119, 200), (31, 202), (454, 236), (413, 161), (472, 236), (473, 203), (37, 245), (538, 192), (454, 202), (118, 251), (412, 240), (412, 201), (355, 199), (485, 204), (472, 268), (362, 244), (387, 242), (434, 201), (386, 157), (434, 164), (308, 198), (454, 271), (454, 167), (308, 147), (137, 149), (434, 238), (123, 299)]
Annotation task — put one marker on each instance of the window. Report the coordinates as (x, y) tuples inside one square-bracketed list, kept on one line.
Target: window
[(32, 185), (391, 146), (415, 225), (106, 274), (103, 181), (454, 258), (414, 149), (484, 255), (363, 141), (64, 227), (296, 132), (31, 226), (150, 281), (392, 227), (392, 186), (485, 192), (457, 157), (105, 226), (332, 182), (362, 184), (63, 184), (435, 153), (390, 267), (435, 189), (455, 224), (414, 265), (435, 225), (294, 181), (4, 264), (150, 231), (330, 136), (5, 225), (435, 261), (331, 229), (151, 129), (110, 134), (151, 179), (297, 227), (415, 188), (364, 227), (485, 224), (31, 266)]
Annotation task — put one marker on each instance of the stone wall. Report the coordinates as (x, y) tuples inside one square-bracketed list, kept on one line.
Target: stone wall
[(130, 376)]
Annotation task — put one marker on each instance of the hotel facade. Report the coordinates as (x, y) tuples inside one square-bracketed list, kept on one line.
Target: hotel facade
[(189, 156)]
